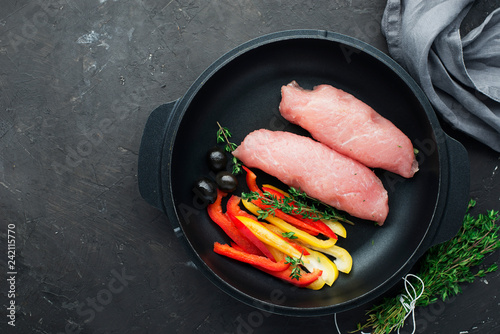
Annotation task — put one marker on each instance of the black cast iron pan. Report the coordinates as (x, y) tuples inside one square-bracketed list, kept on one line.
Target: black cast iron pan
[(241, 90)]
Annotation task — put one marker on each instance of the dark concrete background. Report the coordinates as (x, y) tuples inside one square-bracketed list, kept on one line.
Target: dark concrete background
[(78, 80)]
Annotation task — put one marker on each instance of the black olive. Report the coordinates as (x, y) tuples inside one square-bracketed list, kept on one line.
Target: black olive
[(226, 181), (206, 189), (217, 159)]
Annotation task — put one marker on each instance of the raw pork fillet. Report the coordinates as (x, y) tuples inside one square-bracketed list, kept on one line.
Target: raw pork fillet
[(349, 126), (313, 167)]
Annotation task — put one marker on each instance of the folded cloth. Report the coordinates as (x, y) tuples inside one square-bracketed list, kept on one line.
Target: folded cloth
[(460, 76)]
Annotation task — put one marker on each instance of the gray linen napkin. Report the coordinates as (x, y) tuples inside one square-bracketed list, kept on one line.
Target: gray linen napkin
[(460, 76)]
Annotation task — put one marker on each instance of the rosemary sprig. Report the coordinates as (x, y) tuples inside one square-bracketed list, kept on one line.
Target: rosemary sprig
[(223, 136), (299, 203), (442, 269), (295, 264)]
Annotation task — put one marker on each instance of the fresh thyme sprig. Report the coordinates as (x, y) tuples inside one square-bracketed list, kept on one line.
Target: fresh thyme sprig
[(289, 235), (299, 203), (442, 269), (223, 136), (315, 209), (295, 264)]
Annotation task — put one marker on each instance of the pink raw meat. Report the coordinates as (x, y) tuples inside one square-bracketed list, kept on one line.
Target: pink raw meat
[(313, 167), (349, 126)]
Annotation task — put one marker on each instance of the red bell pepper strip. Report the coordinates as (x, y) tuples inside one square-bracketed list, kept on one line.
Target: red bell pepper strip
[(325, 229), (234, 208), (251, 180), (316, 224), (235, 246), (250, 236), (216, 214), (304, 280), (290, 219), (255, 260), (275, 193)]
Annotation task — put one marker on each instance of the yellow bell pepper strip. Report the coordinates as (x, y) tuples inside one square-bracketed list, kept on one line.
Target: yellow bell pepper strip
[(276, 230), (267, 187), (321, 261), (304, 280), (285, 227), (250, 236), (215, 212), (255, 260), (314, 223), (317, 284), (343, 260), (233, 210), (336, 227), (278, 255), (268, 237)]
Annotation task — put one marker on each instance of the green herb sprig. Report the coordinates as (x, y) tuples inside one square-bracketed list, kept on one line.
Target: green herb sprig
[(289, 235), (442, 269), (223, 136), (298, 203), (295, 264)]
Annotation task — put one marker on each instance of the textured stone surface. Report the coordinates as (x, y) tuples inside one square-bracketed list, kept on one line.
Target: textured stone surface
[(78, 80)]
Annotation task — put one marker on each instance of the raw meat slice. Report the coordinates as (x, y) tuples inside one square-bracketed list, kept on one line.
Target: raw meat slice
[(349, 126), (303, 163)]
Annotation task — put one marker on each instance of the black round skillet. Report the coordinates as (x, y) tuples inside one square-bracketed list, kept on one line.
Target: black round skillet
[(241, 91)]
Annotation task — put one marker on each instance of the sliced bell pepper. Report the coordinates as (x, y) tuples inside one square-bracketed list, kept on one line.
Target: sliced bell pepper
[(280, 194), (298, 223), (215, 212), (304, 280), (316, 224), (256, 260), (336, 227), (321, 261), (276, 230), (251, 180), (317, 284), (343, 260), (234, 208), (250, 236), (278, 255), (235, 246), (283, 225), (269, 238)]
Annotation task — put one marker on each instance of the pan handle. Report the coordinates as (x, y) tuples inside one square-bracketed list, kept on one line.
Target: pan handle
[(457, 193), (149, 169)]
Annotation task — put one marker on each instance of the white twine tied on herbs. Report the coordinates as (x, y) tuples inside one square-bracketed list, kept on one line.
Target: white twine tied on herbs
[(408, 301)]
